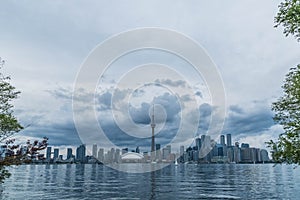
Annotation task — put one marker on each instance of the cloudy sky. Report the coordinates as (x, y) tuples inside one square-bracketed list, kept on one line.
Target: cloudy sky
[(45, 44)]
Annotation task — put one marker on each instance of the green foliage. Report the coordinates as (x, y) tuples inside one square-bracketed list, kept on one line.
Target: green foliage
[(289, 17), (287, 114), (8, 123)]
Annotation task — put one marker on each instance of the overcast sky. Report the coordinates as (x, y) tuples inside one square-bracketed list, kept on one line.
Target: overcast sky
[(45, 43)]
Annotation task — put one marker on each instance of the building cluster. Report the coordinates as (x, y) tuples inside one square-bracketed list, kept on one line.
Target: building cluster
[(111, 156), (80, 156), (207, 150)]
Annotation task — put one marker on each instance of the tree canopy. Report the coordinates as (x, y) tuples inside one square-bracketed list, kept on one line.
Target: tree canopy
[(289, 17), (11, 153), (287, 109), (8, 122), (287, 114)]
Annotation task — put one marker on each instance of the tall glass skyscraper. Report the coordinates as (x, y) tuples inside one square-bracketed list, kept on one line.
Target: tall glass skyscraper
[(95, 148), (228, 137), (222, 140), (69, 153), (48, 153), (80, 153)]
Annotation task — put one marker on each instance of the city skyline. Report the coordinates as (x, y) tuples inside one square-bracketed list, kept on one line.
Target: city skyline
[(219, 152)]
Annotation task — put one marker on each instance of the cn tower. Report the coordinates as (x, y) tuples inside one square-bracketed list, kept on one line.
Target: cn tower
[(153, 139)]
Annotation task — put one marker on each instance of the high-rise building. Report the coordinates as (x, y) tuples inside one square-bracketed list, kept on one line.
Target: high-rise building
[(69, 153), (94, 153), (181, 150), (153, 137), (101, 155), (165, 153), (205, 153), (222, 140), (80, 153), (157, 146), (48, 153), (236, 153), (137, 149), (56, 153), (117, 156), (264, 155), (198, 143), (228, 137), (245, 145)]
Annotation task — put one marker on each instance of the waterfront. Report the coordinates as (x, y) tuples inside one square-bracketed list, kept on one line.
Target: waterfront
[(190, 181)]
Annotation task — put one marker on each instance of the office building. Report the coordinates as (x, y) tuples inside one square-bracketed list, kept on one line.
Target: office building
[(94, 151), (117, 157), (48, 153), (56, 153), (264, 155), (69, 153), (137, 149), (245, 145), (198, 143), (181, 150), (157, 146), (80, 153), (101, 155), (228, 138), (222, 140)]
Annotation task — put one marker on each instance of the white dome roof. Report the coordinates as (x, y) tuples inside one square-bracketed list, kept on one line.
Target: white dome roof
[(132, 156)]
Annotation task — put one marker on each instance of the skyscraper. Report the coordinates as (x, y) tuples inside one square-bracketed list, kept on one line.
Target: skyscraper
[(101, 155), (69, 153), (198, 143), (56, 153), (228, 137), (181, 150), (157, 147), (153, 139), (48, 153), (80, 153), (137, 149), (94, 151), (222, 140)]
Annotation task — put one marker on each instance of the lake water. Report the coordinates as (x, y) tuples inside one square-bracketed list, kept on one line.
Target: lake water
[(211, 181)]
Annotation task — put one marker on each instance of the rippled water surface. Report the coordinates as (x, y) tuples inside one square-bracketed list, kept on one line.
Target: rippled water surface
[(189, 181)]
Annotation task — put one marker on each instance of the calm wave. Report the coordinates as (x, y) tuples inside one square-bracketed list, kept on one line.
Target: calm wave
[(211, 181)]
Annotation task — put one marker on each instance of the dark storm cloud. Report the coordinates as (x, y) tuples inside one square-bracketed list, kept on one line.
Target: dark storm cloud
[(140, 115), (122, 139), (241, 120), (59, 133), (170, 103), (248, 122)]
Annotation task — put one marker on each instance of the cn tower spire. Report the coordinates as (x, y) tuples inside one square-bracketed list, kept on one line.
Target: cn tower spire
[(153, 139)]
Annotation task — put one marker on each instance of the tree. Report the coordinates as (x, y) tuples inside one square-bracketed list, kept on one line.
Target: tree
[(287, 114), (8, 123), (287, 109), (289, 17), (11, 153)]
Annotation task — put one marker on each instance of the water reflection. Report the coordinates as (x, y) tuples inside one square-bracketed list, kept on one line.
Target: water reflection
[(182, 181)]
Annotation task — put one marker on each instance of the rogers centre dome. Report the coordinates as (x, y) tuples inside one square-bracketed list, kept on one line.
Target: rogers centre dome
[(132, 157)]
